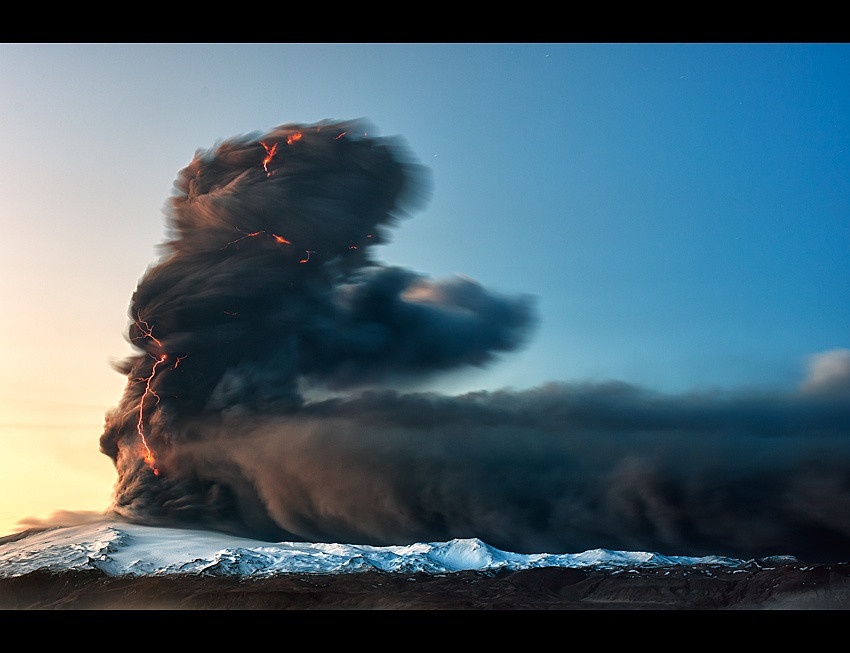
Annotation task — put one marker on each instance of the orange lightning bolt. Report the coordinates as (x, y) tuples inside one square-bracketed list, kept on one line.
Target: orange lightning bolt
[(149, 458), (255, 234), (270, 152), (146, 329), (147, 332)]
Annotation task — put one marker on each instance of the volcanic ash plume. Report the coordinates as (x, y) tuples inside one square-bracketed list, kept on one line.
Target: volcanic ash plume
[(264, 399), (267, 288)]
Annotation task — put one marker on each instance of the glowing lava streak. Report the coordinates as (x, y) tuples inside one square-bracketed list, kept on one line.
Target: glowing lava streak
[(149, 458)]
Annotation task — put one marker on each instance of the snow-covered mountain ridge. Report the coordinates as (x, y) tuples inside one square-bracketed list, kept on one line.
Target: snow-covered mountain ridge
[(119, 549)]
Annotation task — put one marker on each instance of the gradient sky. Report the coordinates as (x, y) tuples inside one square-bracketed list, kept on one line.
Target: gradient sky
[(681, 212)]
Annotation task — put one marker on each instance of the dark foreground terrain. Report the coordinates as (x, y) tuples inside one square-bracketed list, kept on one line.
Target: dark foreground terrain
[(755, 587)]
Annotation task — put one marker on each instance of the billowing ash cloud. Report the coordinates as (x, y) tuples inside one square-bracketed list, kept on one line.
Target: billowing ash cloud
[(266, 291)]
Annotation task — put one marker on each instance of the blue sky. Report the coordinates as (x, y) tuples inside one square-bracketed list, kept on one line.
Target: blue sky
[(681, 212)]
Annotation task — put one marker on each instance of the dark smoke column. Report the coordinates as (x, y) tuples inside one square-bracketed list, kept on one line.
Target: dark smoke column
[(266, 288)]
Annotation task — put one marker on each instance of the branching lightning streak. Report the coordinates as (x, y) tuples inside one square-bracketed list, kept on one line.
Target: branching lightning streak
[(270, 152), (146, 329), (149, 457), (147, 332)]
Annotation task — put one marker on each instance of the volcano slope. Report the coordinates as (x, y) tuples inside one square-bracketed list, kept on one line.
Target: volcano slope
[(755, 586)]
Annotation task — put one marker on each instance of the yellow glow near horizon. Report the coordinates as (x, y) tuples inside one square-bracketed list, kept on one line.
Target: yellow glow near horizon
[(50, 468), (50, 425)]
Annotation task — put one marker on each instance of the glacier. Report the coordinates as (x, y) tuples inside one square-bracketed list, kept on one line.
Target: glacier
[(118, 548)]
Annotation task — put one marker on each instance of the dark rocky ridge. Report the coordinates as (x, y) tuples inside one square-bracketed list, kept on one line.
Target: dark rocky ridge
[(754, 587)]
